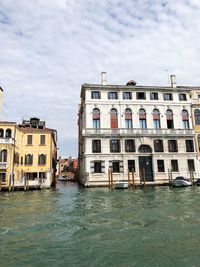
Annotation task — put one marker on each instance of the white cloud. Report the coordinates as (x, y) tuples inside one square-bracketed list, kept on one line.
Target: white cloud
[(50, 47)]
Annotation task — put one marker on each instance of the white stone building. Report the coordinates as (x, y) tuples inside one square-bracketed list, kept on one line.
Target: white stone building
[(145, 128)]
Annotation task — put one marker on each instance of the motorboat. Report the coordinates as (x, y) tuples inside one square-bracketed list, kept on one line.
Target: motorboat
[(121, 185), (179, 181)]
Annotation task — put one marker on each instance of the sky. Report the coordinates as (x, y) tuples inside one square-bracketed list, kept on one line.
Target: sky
[(49, 48)]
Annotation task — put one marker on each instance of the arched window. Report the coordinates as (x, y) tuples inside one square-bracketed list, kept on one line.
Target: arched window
[(197, 116), (96, 118), (128, 118), (113, 118), (170, 121), (42, 159), (156, 118), (3, 155), (142, 118), (198, 137), (8, 133), (16, 158), (145, 149), (185, 119), (1, 133), (29, 159)]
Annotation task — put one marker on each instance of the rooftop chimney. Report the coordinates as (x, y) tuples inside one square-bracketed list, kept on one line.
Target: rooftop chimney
[(103, 78), (173, 80)]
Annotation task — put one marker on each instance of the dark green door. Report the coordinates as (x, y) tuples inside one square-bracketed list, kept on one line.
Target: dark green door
[(145, 162)]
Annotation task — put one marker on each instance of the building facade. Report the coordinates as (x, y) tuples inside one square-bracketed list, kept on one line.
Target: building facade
[(28, 152), (147, 129)]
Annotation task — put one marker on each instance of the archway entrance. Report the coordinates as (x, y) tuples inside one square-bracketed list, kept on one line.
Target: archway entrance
[(145, 162)]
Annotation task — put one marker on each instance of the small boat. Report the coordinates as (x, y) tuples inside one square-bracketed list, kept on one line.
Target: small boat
[(180, 181), (121, 185)]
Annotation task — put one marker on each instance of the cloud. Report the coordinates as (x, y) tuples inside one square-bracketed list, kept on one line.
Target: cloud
[(49, 48)]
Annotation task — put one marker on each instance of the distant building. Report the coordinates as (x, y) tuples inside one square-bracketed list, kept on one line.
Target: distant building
[(65, 163), (27, 152), (196, 117), (129, 127)]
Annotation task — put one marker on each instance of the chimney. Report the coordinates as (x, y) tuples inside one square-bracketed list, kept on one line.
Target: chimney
[(173, 80), (103, 78)]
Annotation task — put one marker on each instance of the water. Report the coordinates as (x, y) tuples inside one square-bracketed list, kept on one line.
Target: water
[(72, 226)]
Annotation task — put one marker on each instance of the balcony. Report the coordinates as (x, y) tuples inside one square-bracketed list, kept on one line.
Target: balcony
[(123, 132), (3, 165), (9, 141)]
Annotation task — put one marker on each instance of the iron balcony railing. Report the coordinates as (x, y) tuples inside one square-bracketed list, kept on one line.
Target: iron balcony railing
[(136, 132)]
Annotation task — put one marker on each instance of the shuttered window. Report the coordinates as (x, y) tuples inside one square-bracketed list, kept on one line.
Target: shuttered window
[(113, 118)]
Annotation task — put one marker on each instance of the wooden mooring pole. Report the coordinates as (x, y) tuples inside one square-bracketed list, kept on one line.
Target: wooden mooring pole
[(133, 179), (192, 177)]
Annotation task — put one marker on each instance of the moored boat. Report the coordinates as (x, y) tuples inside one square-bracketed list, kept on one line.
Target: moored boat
[(180, 181), (121, 185)]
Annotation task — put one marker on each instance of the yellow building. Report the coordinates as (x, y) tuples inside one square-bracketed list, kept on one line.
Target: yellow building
[(28, 154)]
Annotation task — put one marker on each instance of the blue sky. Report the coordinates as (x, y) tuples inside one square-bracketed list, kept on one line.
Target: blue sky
[(50, 47)]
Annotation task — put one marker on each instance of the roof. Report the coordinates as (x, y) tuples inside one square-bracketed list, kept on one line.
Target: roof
[(136, 87), (34, 130), (7, 122)]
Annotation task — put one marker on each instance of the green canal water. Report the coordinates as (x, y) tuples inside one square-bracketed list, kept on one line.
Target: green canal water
[(72, 226)]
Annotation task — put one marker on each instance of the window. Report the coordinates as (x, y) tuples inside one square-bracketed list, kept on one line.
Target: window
[(112, 95), (142, 118), (127, 95), (16, 158), (197, 116), (130, 145), (3, 155), (21, 160), (198, 96), (96, 118), (198, 138), (161, 165), (174, 165), (140, 95), (95, 95), (3, 177), (42, 139), (128, 118), (31, 175), (28, 159), (114, 145), (156, 118), (29, 139), (131, 165), (113, 118), (170, 121), (191, 166), (189, 145), (115, 166), (1, 133), (154, 96), (172, 146), (185, 119), (158, 145), (168, 97), (42, 159), (8, 133), (42, 175), (97, 166), (96, 146), (182, 97)]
